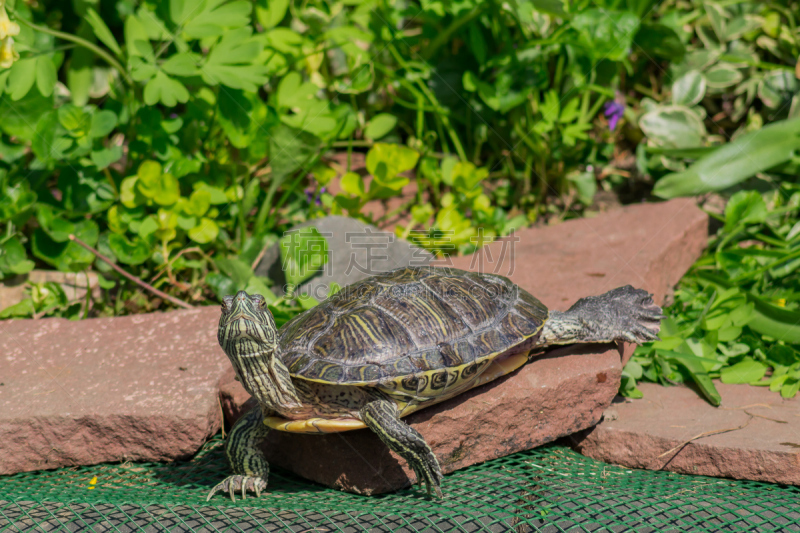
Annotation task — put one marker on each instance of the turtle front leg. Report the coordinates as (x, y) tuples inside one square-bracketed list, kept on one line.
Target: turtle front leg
[(250, 468), (622, 314), (382, 418)]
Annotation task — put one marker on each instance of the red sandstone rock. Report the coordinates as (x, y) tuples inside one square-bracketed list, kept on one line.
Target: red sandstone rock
[(108, 389), (636, 433), (648, 246)]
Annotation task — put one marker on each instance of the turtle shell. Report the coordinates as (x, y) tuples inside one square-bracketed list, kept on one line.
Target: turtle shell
[(408, 322)]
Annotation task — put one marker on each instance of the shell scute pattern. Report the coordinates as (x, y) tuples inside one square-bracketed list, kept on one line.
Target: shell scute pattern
[(471, 301), (365, 335), (298, 334), (413, 327), (436, 322)]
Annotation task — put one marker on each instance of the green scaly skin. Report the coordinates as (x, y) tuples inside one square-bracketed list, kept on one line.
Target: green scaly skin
[(621, 314), (250, 468), (381, 417)]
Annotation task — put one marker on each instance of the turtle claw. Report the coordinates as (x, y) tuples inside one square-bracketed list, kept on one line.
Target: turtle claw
[(430, 478), (238, 482), (643, 320)]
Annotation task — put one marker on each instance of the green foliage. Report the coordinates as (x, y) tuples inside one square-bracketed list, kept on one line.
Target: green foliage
[(179, 138), (736, 75), (736, 314)]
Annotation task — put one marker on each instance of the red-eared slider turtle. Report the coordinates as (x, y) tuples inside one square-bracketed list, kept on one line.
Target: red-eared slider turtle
[(394, 343)]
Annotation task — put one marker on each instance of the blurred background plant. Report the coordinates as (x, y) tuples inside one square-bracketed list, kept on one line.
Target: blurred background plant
[(178, 139)]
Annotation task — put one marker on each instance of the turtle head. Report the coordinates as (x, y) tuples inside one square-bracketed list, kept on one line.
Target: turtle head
[(246, 327), (248, 335)]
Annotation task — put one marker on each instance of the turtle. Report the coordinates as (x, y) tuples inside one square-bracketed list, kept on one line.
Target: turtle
[(391, 344)]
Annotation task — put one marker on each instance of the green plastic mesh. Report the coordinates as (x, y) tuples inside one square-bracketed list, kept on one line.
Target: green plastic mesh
[(548, 489)]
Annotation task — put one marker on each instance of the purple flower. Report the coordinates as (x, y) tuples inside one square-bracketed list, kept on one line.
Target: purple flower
[(613, 111), (310, 195)]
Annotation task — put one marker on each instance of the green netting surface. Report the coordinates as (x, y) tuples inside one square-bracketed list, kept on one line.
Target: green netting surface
[(547, 489)]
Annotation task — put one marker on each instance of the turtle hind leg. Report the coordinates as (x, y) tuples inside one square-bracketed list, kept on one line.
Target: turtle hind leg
[(250, 468), (622, 314), (381, 417)]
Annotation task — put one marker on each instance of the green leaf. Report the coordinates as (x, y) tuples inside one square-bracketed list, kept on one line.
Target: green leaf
[(199, 203), (271, 12), (76, 121), (386, 161), (746, 371), (46, 75), (303, 253), (745, 207), (747, 155), (237, 270), (306, 301), (20, 118), (697, 371), (102, 32), (103, 123), (290, 150), (56, 227), (585, 184), (106, 156), (689, 89), (293, 93), (80, 69), (21, 79), (133, 252), (258, 285), (354, 184), (166, 90), (14, 259), (21, 309), (162, 188), (605, 34), (245, 118), (67, 256), (722, 76), (782, 355), (777, 322), (213, 22), (660, 41), (790, 388), (135, 32), (129, 193), (221, 284), (673, 126), (182, 64), (205, 231), (551, 7), (231, 62), (380, 126)]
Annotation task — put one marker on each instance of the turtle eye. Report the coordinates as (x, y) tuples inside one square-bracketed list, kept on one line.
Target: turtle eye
[(226, 302), (259, 301)]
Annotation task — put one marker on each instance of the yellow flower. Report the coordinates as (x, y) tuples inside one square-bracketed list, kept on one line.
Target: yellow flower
[(7, 53), (7, 28)]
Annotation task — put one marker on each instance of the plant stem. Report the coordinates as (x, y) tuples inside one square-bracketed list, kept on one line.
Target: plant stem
[(134, 279), (81, 42), (456, 25)]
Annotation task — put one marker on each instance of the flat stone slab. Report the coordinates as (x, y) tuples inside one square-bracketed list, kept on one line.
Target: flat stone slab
[(355, 251), (648, 246), (141, 388), (762, 442)]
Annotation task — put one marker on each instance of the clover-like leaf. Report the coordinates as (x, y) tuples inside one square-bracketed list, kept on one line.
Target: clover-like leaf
[(205, 231), (166, 90), (133, 252), (353, 184)]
